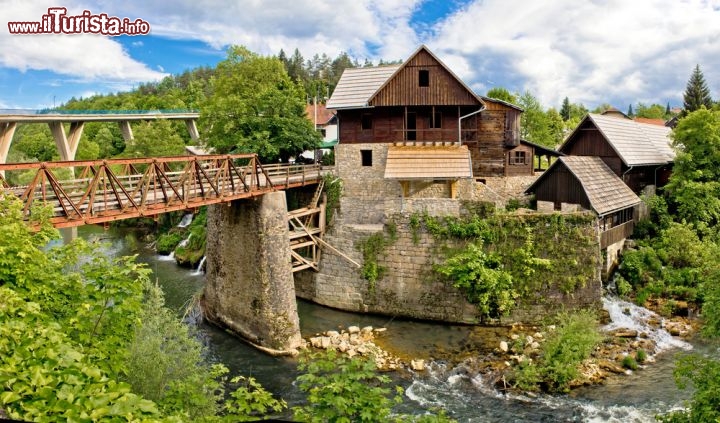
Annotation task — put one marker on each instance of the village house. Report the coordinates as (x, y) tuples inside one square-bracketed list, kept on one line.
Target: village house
[(638, 153), (575, 183), (416, 130)]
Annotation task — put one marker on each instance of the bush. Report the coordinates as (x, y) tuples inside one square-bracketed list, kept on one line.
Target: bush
[(574, 338), (640, 356), (166, 243), (704, 375), (629, 362), (623, 287)]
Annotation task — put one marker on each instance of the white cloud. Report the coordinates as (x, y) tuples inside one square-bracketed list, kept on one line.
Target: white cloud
[(87, 57), (592, 52)]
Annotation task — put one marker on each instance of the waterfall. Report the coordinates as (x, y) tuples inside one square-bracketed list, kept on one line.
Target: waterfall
[(185, 241), (625, 314), (199, 270), (186, 220), (170, 257)]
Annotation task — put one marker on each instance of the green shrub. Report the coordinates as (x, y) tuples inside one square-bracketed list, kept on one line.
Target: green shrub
[(629, 362), (483, 280), (575, 337), (623, 287), (640, 356), (704, 375), (167, 243)]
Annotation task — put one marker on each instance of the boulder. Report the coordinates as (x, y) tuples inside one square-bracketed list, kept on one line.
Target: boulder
[(504, 346), (353, 329), (417, 365)]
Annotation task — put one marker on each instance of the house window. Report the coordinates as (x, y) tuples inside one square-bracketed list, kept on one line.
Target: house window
[(366, 157), (518, 158), (424, 78), (366, 121), (436, 120)]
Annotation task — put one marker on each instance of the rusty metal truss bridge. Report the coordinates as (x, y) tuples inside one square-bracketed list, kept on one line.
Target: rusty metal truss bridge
[(100, 191)]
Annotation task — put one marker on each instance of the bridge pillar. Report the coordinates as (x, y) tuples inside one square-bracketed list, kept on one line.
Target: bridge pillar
[(249, 284), (67, 144)]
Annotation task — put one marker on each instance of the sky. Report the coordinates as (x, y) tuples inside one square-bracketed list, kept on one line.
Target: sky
[(618, 52)]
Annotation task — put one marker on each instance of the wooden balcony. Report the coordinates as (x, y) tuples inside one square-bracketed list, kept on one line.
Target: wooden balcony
[(617, 233)]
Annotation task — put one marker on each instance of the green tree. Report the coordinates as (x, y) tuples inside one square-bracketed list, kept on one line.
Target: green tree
[(704, 375), (501, 93), (630, 112), (697, 93), (694, 185), (534, 124), (565, 109), (257, 108), (556, 127), (653, 111), (155, 139)]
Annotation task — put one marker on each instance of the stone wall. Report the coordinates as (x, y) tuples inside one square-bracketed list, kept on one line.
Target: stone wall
[(410, 287)]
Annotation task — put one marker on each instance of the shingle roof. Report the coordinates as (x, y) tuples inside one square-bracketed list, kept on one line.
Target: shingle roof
[(357, 85), (605, 191), (636, 143), (431, 162), (323, 114)]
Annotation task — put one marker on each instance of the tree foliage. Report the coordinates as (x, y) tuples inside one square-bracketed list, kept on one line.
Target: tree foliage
[(500, 93), (84, 336), (343, 390), (697, 93), (694, 186), (257, 108), (704, 375)]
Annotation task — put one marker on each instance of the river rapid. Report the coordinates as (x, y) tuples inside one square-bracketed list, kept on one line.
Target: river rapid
[(464, 393)]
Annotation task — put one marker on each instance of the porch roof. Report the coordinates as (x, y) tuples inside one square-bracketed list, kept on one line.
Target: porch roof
[(428, 162)]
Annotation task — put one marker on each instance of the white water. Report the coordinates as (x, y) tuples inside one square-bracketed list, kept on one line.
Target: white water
[(185, 241), (625, 314), (199, 270), (473, 397), (186, 220), (170, 257)]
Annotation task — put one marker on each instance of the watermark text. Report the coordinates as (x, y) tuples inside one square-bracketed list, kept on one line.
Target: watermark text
[(56, 21)]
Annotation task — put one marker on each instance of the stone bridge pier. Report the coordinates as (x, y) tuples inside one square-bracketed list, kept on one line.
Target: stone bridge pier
[(249, 285)]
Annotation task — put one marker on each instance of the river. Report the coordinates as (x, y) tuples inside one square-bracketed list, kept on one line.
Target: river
[(464, 394)]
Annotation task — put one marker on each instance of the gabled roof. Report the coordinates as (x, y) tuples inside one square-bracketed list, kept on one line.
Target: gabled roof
[(358, 86), (605, 191), (496, 100), (428, 162), (652, 121), (635, 143), (541, 149), (324, 116)]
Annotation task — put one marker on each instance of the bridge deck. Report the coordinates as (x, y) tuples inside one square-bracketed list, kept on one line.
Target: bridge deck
[(108, 190)]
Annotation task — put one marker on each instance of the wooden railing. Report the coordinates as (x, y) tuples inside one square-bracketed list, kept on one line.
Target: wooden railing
[(108, 190), (617, 233)]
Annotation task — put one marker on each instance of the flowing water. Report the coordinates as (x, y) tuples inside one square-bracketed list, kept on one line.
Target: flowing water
[(466, 395)]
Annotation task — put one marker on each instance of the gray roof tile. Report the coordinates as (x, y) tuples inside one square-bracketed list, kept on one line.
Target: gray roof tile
[(636, 143)]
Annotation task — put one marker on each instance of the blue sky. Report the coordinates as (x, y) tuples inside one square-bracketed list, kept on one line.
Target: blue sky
[(602, 51)]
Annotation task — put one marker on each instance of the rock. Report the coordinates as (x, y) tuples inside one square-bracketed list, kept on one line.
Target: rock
[(514, 336), (351, 353), (417, 365), (611, 366), (325, 342), (343, 346), (529, 339), (367, 329), (535, 345), (355, 340), (353, 329), (624, 333), (332, 333), (538, 335), (315, 342), (378, 330), (551, 328), (504, 346)]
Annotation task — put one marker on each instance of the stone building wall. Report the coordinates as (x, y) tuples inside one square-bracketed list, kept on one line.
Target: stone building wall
[(410, 287)]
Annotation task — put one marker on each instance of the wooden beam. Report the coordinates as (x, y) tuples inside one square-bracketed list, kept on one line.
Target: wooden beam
[(453, 189)]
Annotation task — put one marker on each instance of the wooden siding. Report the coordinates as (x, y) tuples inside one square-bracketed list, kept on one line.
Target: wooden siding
[(388, 125), (403, 89), (515, 169), (616, 234), (562, 186)]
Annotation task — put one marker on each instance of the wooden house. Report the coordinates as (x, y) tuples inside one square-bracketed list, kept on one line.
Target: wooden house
[(423, 103), (638, 153), (587, 183)]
